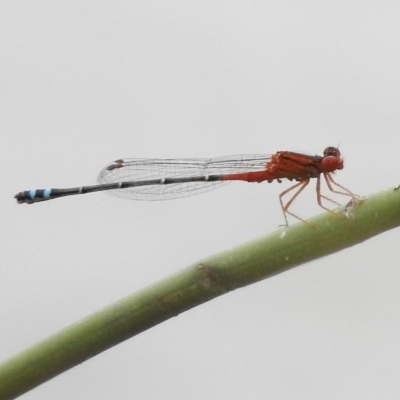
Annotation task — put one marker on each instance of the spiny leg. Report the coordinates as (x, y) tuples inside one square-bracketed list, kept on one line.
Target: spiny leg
[(320, 196), (329, 181), (285, 207)]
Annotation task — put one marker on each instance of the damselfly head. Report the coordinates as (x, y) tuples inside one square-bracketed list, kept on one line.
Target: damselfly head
[(331, 161)]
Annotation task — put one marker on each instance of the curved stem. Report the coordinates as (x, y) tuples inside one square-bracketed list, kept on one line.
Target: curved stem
[(259, 259)]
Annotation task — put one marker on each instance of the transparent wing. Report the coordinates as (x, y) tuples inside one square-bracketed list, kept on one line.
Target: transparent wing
[(144, 169)]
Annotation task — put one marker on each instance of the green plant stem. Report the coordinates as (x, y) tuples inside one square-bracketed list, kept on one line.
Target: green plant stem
[(288, 247)]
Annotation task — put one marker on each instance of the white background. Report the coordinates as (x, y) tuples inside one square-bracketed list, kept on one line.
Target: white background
[(85, 82)]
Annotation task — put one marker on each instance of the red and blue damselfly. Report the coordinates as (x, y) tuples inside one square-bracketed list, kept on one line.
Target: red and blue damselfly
[(162, 179)]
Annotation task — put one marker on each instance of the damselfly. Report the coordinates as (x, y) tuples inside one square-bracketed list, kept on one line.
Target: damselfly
[(162, 179)]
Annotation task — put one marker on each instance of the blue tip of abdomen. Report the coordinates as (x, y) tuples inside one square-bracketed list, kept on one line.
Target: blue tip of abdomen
[(35, 194)]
